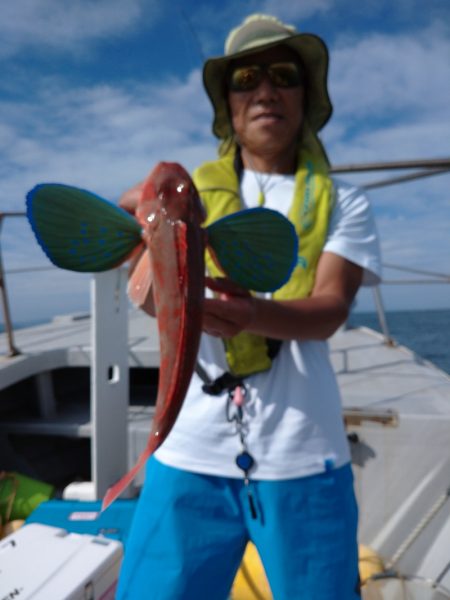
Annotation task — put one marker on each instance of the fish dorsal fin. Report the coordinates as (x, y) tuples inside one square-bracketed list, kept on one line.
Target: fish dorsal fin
[(78, 230), (257, 248)]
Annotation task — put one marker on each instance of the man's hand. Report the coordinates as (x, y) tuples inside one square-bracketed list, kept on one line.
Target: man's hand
[(313, 318), (230, 312), (129, 199)]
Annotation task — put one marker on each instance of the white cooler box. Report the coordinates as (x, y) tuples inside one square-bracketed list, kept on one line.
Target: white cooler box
[(39, 562)]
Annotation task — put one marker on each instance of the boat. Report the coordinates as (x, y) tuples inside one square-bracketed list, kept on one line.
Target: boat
[(77, 397)]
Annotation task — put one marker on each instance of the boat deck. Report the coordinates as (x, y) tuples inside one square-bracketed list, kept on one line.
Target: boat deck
[(377, 380), (371, 373), (396, 408), (66, 343)]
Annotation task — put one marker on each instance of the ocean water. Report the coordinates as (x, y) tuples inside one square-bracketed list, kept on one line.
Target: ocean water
[(426, 332)]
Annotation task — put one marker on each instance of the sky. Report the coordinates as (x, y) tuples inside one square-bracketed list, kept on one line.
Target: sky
[(94, 93)]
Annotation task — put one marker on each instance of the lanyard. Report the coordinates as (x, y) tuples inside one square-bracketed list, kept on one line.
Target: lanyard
[(235, 404), (244, 460)]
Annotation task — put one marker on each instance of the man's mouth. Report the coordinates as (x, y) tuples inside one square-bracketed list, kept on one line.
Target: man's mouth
[(267, 116)]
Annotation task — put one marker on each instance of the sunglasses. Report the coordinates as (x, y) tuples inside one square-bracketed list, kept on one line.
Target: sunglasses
[(281, 74)]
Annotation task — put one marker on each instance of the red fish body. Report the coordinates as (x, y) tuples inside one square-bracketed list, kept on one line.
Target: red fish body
[(171, 214)]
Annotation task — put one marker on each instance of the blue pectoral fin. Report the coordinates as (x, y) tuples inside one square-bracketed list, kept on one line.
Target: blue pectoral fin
[(78, 230), (257, 248)]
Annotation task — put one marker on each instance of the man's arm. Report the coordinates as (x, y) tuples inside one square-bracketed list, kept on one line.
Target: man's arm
[(314, 318)]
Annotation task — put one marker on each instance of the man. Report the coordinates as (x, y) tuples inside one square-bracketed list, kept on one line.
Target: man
[(259, 450)]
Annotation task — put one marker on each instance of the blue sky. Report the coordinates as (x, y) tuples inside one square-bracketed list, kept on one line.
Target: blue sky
[(95, 92)]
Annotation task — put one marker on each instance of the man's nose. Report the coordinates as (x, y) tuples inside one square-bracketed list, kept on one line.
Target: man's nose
[(266, 89)]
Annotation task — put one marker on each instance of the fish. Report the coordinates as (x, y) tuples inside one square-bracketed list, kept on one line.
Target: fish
[(171, 214), (166, 243)]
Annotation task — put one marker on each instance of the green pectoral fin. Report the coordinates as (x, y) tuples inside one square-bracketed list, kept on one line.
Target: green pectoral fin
[(78, 230), (257, 248)]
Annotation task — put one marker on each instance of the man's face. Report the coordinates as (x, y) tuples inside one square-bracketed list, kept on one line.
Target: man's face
[(267, 117)]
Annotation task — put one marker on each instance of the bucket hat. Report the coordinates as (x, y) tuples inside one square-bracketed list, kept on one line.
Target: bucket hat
[(259, 32)]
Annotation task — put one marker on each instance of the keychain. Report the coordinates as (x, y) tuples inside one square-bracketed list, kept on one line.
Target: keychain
[(244, 460)]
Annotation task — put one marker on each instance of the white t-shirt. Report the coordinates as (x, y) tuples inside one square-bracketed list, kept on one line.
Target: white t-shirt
[(292, 413)]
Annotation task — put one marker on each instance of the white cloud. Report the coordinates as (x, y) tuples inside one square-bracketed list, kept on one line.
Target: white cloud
[(102, 137), (390, 93), (420, 137), (65, 25), (290, 11), (392, 76)]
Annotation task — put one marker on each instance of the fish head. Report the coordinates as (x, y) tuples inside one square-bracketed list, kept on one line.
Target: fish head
[(169, 193)]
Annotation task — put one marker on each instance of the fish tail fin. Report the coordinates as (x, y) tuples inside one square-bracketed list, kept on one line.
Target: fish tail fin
[(120, 486)]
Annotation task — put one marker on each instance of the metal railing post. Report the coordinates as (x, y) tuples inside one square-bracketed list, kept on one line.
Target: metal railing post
[(382, 316), (13, 351)]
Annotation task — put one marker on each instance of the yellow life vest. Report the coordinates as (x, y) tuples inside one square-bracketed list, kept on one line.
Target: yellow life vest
[(218, 185)]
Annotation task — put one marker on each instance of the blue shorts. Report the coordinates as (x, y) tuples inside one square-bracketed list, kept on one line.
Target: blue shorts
[(190, 531)]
